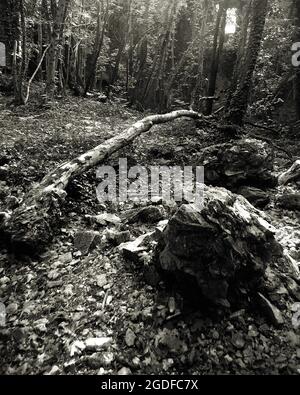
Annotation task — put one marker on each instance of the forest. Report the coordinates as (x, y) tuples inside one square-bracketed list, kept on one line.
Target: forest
[(149, 187)]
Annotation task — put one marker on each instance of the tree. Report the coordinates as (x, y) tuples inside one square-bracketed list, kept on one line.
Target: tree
[(59, 14), (19, 54), (296, 4), (219, 37), (199, 81), (244, 19), (239, 102), (102, 18)]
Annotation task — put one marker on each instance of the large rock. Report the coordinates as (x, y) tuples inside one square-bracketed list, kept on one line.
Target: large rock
[(243, 162), (219, 252)]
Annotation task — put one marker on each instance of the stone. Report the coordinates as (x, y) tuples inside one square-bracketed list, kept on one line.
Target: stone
[(118, 238), (12, 308), (159, 229), (68, 290), (130, 337), (272, 312), (4, 219), (85, 240), (228, 358), (54, 284), (246, 161), (66, 258), (97, 343), (99, 359), (54, 371), (220, 251), (238, 340), (255, 196), (68, 126), (124, 371), (133, 250), (4, 280), (101, 280), (149, 214), (103, 219)]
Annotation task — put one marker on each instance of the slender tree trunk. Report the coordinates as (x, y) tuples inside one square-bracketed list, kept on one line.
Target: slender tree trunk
[(123, 42), (239, 103), (19, 57), (196, 92), (153, 86), (297, 69), (59, 14), (92, 64), (142, 58), (129, 62), (242, 42), (219, 39), (40, 46)]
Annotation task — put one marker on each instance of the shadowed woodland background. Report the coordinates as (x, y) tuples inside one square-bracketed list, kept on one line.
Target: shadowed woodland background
[(157, 54)]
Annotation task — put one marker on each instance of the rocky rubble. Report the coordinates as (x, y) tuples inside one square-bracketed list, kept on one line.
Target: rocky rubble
[(245, 162)]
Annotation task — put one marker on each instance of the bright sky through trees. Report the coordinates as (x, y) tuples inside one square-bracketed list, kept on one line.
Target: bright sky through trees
[(231, 21)]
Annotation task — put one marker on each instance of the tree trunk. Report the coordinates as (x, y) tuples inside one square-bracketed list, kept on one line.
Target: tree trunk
[(238, 68), (154, 94), (59, 14), (197, 90), (239, 103), (142, 59), (40, 47), (297, 69), (217, 52), (129, 62), (123, 42), (35, 222), (19, 57), (292, 174), (92, 64)]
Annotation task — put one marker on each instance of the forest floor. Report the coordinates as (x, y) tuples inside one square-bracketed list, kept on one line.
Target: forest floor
[(54, 303)]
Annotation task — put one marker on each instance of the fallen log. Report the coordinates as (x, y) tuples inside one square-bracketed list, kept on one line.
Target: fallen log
[(292, 174), (34, 223)]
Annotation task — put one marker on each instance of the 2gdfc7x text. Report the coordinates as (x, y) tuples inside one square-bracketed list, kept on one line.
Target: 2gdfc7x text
[(155, 384)]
